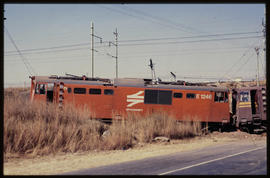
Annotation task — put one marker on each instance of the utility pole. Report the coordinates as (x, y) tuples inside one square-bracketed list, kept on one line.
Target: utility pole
[(257, 52), (92, 46), (264, 39), (116, 52)]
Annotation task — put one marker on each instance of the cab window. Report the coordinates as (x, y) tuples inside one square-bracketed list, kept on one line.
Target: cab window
[(244, 96), (40, 89)]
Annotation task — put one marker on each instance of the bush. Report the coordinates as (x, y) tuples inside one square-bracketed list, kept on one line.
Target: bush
[(39, 128)]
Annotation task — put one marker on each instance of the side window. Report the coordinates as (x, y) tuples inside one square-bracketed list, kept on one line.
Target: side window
[(165, 97), (221, 97), (151, 97), (42, 89), (177, 95), (157, 97), (190, 96), (108, 92), (79, 90), (69, 90), (94, 91)]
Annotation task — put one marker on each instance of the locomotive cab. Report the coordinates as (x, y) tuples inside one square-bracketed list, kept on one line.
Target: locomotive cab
[(249, 108), (42, 90)]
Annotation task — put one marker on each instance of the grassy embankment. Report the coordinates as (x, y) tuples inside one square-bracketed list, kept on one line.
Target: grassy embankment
[(41, 129)]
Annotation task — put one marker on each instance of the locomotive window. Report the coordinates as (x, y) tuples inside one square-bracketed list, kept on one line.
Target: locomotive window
[(177, 95), (191, 96), (244, 96), (94, 91), (79, 90), (221, 97), (108, 92), (69, 90), (158, 97), (164, 97), (151, 97)]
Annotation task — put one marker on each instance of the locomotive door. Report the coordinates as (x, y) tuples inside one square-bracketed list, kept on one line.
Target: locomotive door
[(40, 91), (254, 102), (49, 94), (108, 102)]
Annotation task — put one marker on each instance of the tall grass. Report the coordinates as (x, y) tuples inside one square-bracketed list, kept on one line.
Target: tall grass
[(43, 128)]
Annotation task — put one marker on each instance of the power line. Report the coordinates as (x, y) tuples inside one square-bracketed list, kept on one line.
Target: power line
[(200, 36), (132, 40), (143, 54), (172, 42), (139, 17), (49, 48), (163, 20), (26, 63), (127, 57), (248, 59), (195, 41), (234, 64)]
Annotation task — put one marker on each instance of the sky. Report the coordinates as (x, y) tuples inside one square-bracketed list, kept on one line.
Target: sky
[(197, 42)]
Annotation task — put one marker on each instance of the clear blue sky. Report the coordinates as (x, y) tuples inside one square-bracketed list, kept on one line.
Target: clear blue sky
[(197, 42)]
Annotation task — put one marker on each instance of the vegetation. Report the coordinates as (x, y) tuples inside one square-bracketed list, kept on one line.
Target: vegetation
[(43, 128)]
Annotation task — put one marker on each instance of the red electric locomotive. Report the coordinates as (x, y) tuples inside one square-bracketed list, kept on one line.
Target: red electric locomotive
[(114, 99)]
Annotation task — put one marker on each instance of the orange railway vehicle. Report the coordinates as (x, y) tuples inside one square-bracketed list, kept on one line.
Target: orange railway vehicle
[(114, 99)]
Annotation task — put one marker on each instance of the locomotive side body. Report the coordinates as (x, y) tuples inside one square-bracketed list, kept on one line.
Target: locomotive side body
[(114, 100)]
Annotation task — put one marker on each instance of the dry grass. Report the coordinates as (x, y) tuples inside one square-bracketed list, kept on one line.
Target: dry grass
[(43, 128)]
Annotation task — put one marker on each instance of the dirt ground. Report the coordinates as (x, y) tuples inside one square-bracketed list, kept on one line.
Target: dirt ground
[(66, 162)]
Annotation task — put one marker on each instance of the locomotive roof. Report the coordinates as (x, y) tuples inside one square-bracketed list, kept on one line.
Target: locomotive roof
[(145, 83), (126, 82), (251, 88), (68, 80)]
